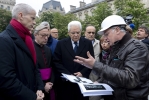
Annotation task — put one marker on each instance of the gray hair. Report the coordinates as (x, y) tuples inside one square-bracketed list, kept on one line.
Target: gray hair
[(42, 25), (45, 23), (121, 27), (22, 7), (74, 23)]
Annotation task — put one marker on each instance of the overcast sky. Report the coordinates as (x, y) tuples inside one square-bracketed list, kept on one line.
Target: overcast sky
[(37, 4)]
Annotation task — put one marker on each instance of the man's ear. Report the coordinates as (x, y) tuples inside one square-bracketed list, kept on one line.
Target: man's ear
[(117, 30), (146, 35), (20, 15)]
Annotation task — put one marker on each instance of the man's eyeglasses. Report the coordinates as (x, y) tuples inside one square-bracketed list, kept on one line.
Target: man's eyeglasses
[(91, 32), (44, 35), (54, 32), (107, 32)]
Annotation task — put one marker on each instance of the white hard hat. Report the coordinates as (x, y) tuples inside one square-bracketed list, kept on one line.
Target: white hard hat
[(111, 21)]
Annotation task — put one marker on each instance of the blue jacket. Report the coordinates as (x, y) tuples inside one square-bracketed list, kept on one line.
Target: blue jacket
[(52, 43)]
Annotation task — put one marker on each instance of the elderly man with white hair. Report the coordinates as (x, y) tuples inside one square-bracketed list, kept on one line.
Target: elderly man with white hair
[(65, 52), (19, 75)]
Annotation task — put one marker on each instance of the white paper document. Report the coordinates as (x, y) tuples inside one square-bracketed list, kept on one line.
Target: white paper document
[(95, 89), (75, 79), (87, 87)]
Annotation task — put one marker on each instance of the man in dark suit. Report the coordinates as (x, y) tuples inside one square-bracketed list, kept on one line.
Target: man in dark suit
[(19, 76), (65, 52)]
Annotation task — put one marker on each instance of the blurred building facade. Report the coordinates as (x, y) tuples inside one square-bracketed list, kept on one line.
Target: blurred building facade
[(7, 4), (88, 9), (52, 6)]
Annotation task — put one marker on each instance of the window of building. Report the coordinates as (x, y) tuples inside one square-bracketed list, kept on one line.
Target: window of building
[(2, 6), (91, 11), (8, 7), (86, 12)]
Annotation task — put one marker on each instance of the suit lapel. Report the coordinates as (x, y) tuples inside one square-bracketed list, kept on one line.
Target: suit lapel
[(69, 47), (17, 40), (95, 43)]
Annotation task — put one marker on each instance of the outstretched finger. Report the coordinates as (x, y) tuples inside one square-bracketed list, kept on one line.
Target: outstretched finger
[(78, 61), (80, 58), (89, 55)]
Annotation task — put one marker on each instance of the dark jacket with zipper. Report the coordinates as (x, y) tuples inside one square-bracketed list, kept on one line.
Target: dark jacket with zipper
[(127, 71), (19, 76), (146, 42)]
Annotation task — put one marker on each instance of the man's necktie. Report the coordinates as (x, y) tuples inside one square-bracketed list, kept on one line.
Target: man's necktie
[(76, 47)]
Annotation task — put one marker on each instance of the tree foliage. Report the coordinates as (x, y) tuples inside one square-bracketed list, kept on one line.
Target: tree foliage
[(133, 7), (103, 9), (45, 16), (58, 21), (5, 17), (61, 22), (119, 6), (99, 14)]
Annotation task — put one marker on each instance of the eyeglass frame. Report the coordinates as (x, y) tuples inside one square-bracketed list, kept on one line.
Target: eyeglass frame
[(91, 32), (44, 35), (108, 32)]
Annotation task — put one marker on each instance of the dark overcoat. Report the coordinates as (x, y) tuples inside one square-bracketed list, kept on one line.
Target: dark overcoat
[(19, 76), (63, 60)]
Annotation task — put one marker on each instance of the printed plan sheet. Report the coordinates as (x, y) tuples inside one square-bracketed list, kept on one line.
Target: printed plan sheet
[(87, 87)]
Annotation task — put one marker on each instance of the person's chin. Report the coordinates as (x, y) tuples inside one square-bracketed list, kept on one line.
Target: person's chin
[(75, 40), (138, 37), (44, 43)]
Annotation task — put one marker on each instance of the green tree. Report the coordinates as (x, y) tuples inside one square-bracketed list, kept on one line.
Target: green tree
[(61, 22), (119, 6), (58, 21), (45, 16), (5, 17), (135, 8), (99, 14)]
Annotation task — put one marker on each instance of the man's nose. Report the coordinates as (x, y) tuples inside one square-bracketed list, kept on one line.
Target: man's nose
[(46, 37), (76, 34), (34, 22)]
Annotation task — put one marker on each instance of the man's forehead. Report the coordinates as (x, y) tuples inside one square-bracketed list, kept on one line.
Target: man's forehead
[(90, 27), (54, 30), (75, 29), (113, 27), (141, 29), (106, 30)]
